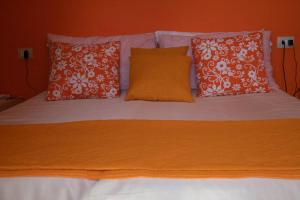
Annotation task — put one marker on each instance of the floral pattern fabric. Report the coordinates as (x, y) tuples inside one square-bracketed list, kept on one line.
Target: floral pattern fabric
[(84, 71), (230, 65)]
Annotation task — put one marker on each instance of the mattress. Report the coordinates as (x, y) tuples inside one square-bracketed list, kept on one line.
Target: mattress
[(274, 105)]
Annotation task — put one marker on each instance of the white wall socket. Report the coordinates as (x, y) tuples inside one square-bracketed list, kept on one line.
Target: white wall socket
[(21, 53), (286, 40)]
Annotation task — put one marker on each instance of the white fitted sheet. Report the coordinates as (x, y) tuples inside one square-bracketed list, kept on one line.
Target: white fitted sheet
[(274, 105)]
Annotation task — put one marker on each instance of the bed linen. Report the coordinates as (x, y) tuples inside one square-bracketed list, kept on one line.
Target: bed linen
[(148, 189), (274, 105), (110, 149)]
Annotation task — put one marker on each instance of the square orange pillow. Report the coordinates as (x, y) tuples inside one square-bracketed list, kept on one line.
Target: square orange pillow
[(84, 71), (230, 65), (160, 78)]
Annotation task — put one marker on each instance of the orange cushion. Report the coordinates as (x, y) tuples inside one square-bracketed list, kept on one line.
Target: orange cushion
[(230, 65), (84, 71), (160, 78), (160, 51)]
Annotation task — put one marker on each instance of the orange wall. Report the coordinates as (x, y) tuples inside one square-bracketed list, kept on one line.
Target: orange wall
[(26, 23)]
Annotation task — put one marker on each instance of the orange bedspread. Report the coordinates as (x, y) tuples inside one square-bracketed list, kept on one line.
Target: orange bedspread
[(173, 149)]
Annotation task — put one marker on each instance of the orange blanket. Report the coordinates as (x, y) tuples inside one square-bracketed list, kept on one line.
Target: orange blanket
[(173, 149)]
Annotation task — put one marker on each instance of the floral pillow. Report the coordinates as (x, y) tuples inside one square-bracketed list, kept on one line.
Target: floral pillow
[(84, 71), (230, 65)]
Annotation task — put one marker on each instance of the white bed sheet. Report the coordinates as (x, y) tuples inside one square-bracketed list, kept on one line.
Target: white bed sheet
[(274, 105), (148, 189)]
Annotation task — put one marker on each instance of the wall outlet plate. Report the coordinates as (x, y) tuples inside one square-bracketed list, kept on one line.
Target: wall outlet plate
[(288, 40), (21, 53)]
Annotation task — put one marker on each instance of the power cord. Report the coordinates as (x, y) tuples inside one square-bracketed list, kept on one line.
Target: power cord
[(283, 66), (27, 76)]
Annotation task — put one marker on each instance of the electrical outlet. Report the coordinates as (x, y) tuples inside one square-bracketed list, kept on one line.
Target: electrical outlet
[(287, 40), (25, 53)]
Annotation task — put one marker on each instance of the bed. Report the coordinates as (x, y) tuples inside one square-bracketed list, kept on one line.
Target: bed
[(218, 147), (261, 106)]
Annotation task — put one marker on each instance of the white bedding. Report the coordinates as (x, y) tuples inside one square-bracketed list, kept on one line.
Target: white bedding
[(148, 189), (274, 105)]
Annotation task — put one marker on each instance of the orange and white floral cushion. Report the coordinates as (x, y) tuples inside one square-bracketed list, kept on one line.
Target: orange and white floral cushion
[(84, 71), (230, 65)]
